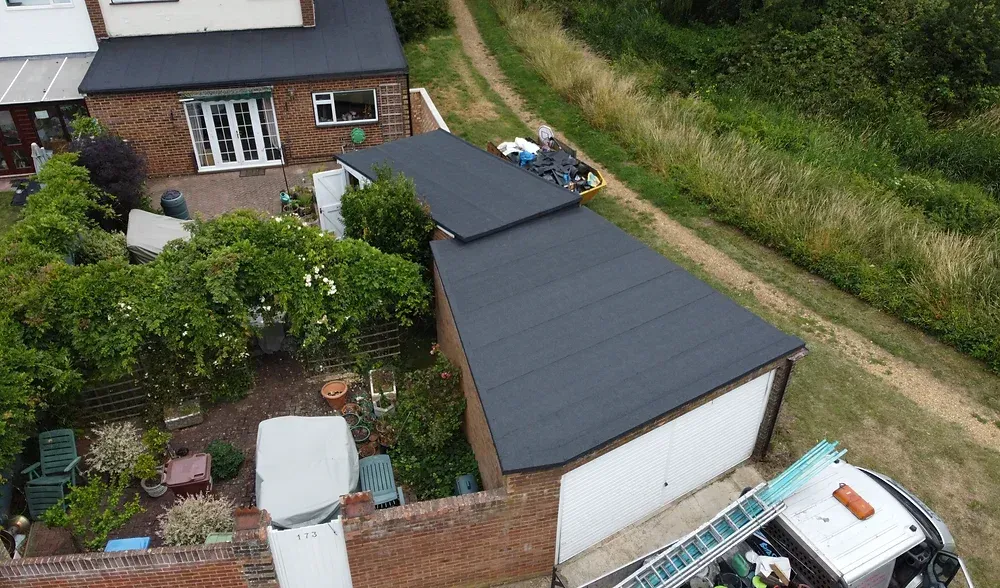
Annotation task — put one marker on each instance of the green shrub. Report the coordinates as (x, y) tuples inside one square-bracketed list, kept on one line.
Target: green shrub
[(415, 18), (118, 170), (430, 450), (94, 511), (226, 459), (963, 208), (100, 245), (387, 215), (193, 518)]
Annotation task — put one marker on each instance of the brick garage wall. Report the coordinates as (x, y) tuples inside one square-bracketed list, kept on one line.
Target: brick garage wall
[(477, 430), (156, 123), (244, 563)]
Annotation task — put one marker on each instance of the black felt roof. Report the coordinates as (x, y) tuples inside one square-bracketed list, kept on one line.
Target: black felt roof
[(470, 192), (351, 38), (576, 333)]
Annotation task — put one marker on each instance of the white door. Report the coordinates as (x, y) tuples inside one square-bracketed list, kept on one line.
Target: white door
[(330, 187), (311, 557), (233, 133), (629, 483)]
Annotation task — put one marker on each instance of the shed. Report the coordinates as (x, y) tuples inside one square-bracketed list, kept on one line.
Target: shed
[(602, 380)]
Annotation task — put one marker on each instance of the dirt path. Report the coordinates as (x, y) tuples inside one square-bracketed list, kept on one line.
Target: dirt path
[(947, 402)]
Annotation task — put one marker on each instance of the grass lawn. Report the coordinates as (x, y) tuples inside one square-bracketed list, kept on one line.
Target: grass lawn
[(8, 213), (829, 395)]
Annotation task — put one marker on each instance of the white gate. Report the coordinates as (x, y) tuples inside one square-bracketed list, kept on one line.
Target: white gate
[(311, 557), (330, 187)]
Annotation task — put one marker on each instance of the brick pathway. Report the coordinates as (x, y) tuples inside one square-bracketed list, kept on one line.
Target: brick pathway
[(212, 194)]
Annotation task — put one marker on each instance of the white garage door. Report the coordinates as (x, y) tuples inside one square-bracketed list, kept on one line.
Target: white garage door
[(311, 557), (628, 483)]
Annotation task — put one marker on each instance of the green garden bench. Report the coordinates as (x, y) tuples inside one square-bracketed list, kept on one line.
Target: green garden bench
[(376, 477), (41, 497)]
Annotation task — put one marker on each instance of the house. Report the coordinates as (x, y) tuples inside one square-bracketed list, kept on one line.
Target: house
[(46, 48), (205, 86), (602, 380)]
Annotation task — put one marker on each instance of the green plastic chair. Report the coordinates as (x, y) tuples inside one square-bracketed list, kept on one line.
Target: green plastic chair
[(58, 462), (41, 497), (376, 477)]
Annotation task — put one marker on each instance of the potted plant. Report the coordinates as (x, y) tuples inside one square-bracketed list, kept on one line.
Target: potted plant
[(335, 394), (383, 389), (150, 476), (386, 434)]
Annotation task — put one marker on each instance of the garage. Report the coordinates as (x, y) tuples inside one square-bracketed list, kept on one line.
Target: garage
[(602, 380), (659, 467)]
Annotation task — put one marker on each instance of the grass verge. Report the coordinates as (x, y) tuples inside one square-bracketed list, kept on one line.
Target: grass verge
[(829, 396), (843, 228)]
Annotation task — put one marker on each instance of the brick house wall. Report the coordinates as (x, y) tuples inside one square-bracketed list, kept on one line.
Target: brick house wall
[(244, 563), (308, 13), (423, 116), (157, 124), (97, 18)]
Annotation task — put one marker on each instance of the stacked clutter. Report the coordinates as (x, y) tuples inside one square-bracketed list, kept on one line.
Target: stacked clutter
[(550, 162)]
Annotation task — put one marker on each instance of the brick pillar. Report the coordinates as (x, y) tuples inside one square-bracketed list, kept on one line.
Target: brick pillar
[(251, 548), (308, 13), (97, 18), (357, 505), (775, 397)]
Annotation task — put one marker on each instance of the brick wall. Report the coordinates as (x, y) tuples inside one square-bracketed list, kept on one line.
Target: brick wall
[(308, 13), (472, 540), (156, 123), (97, 18), (244, 563), (422, 108), (477, 430)]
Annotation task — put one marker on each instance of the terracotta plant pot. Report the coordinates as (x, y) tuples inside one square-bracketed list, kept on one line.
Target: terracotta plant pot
[(335, 394), (367, 450), (351, 408)]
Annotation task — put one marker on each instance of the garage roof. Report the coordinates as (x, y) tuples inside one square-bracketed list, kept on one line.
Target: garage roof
[(470, 192), (576, 333), (351, 38)]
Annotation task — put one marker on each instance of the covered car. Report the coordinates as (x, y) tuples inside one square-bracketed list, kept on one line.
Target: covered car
[(148, 233), (304, 466)]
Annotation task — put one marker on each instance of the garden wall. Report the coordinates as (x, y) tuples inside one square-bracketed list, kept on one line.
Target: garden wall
[(244, 563), (472, 540), (425, 115)]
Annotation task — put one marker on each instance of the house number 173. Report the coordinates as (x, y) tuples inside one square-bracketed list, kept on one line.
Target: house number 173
[(306, 535)]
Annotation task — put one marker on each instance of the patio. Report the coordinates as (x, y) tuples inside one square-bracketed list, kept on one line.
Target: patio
[(212, 194)]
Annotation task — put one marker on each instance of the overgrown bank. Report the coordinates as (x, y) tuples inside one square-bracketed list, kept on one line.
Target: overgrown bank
[(856, 236)]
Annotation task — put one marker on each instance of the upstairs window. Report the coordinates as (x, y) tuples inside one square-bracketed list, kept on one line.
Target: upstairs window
[(342, 108), (35, 3)]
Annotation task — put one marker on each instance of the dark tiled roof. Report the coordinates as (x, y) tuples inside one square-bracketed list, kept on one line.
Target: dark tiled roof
[(351, 38), (470, 192), (576, 334)]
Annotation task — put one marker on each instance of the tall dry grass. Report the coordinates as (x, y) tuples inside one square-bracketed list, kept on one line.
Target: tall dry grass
[(857, 236)]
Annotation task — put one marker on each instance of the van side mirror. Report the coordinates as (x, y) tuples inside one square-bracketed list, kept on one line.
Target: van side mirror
[(943, 569)]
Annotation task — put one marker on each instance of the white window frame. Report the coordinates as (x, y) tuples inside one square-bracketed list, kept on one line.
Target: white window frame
[(51, 4), (333, 107), (240, 162)]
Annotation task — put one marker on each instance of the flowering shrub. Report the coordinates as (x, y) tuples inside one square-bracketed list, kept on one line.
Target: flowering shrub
[(430, 450), (191, 519), (115, 449)]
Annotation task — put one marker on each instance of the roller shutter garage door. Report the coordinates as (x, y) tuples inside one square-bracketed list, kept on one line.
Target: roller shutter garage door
[(626, 484)]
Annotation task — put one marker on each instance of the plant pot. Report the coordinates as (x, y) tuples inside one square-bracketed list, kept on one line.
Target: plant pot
[(335, 394), (361, 433), (353, 420), (367, 449), (381, 412), (351, 408), (155, 488)]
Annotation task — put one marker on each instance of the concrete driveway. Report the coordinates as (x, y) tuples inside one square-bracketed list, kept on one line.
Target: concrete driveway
[(655, 531)]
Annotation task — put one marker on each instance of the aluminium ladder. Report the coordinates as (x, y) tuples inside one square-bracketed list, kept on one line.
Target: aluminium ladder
[(738, 521)]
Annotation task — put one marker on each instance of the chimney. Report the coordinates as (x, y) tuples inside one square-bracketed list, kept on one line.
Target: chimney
[(308, 12)]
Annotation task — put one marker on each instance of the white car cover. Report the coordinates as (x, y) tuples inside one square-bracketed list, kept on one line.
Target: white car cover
[(147, 233), (304, 466)]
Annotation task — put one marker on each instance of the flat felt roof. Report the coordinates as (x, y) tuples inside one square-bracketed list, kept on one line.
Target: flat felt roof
[(470, 192), (576, 334), (351, 38)]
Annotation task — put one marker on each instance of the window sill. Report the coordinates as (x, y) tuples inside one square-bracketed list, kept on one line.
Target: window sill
[(215, 169), (347, 123)]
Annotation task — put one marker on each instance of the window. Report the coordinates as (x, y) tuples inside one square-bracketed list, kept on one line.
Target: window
[(351, 107), (233, 133), (34, 3), (54, 124)]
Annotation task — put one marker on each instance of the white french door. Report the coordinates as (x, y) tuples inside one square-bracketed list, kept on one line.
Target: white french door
[(234, 133)]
